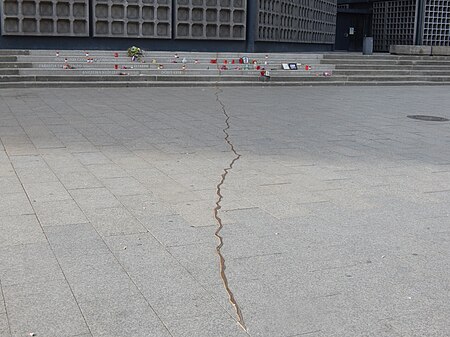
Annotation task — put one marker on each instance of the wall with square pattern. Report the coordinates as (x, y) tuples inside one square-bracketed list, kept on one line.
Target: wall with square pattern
[(45, 17), (393, 22), (211, 19), (300, 21), (132, 18), (436, 28)]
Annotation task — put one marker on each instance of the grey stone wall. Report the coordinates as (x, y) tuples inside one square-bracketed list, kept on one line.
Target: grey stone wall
[(211, 19), (436, 27), (305, 21), (45, 18), (169, 24), (393, 23), (137, 19)]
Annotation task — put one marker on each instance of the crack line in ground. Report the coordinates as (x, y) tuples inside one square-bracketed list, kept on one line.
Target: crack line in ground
[(240, 318)]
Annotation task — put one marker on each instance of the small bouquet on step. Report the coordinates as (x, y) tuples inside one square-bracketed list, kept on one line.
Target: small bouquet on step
[(135, 53)]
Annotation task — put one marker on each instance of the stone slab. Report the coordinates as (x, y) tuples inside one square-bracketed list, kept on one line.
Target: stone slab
[(31, 263), (410, 50), (4, 326), (13, 204), (46, 309), (335, 216), (59, 212), (440, 50), (20, 230)]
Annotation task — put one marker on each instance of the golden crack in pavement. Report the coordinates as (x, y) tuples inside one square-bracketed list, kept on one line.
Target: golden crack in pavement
[(240, 318)]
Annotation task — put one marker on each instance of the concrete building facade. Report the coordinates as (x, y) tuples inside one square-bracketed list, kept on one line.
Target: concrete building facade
[(200, 25), (392, 22)]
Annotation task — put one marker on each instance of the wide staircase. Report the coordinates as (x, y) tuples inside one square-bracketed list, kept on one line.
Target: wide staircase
[(77, 68), (386, 69)]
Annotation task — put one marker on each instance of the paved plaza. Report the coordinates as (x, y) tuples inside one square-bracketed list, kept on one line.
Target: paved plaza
[(334, 212)]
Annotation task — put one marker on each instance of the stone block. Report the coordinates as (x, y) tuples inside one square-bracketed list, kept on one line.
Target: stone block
[(137, 20), (45, 309), (45, 18), (440, 50), (211, 20), (410, 50), (20, 230)]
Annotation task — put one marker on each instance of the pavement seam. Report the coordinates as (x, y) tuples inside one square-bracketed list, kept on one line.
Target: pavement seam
[(1, 286), (46, 238), (114, 256)]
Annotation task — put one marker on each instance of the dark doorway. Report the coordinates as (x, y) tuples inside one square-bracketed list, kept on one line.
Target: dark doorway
[(351, 27)]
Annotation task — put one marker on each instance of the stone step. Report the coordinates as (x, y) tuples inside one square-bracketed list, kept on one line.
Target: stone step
[(390, 67), (398, 78), (8, 58), (181, 54), (363, 78), (167, 70), (117, 78), (170, 58), (375, 72), (164, 54), (200, 66), (338, 56), (8, 65), (44, 68), (382, 62), (14, 52), (131, 84), (11, 71), (216, 78)]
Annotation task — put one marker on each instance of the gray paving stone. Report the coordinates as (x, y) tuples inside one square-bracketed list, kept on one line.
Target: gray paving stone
[(159, 276), (95, 278), (28, 162), (205, 326), (6, 170), (10, 185), (124, 186), (335, 217), (36, 175), (10, 130), (79, 179), (19, 230), (92, 198), (31, 263), (59, 212), (92, 158), (4, 326), (80, 146), (107, 171), (146, 205), (129, 162), (75, 240), (115, 221), (46, 309), (123, 315), (2, 304), (175, 230), (21, 149), (59, 160), (45, 192), (12, 204)]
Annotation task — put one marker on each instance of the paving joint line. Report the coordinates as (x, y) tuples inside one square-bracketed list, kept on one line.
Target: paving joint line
[(48, 242)]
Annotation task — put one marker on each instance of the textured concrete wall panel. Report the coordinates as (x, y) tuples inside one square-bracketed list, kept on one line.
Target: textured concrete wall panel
[(45, 17), (299, 21), (133, 18), (211, 19)]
